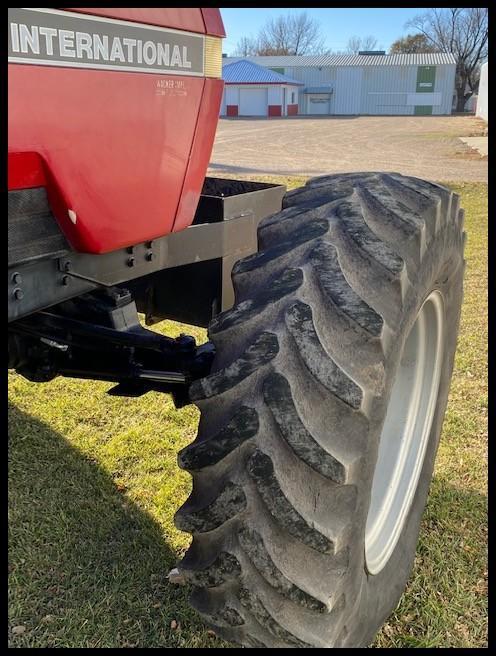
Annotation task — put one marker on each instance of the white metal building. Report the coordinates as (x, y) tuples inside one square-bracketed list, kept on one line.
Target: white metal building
[(368, 84), (253, 90), (481, 110)]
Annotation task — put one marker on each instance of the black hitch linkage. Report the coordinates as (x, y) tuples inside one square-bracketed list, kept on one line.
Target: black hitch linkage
[(99, 336)]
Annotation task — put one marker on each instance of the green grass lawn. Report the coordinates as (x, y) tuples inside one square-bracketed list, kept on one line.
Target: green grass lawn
[(94, 485)]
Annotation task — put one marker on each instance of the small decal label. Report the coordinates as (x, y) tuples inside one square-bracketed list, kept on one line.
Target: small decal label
[(170, 88), (63, 38)]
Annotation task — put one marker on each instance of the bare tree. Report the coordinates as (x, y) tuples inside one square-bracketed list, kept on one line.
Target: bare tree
[(356, 44), (464, 32), (284, 35), (411, 44), (246, 47)]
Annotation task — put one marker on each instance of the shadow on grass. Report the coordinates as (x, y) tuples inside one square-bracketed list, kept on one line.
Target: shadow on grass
[(87, 568)]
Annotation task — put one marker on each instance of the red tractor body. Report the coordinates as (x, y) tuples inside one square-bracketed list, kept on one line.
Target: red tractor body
[(114, 112), (112, 119)]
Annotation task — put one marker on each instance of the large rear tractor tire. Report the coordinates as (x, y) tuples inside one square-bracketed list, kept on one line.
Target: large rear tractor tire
[(321, 418)]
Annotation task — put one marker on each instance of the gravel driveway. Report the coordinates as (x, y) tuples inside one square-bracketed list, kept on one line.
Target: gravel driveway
[(424, 146)]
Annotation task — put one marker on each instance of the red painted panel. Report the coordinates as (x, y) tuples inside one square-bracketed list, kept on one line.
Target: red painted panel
[(275, 110), (116, 146), (292, 110), (213, 22), (231, 110), (179, 19), (200, 153), (25, 170)]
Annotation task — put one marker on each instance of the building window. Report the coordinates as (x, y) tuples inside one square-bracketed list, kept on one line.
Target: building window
[(292, 97)]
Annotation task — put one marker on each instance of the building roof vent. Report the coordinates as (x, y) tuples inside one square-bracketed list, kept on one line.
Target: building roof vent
[(372, 52)]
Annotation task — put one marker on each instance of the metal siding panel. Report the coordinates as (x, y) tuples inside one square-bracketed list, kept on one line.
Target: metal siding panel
[(348, 90), (450, 88), (232, 95), (332, 98), (440, 87), (445, 85), (274, 96), (432, 99), (313, 76), (223, 103), (481, 110), (385, 90)]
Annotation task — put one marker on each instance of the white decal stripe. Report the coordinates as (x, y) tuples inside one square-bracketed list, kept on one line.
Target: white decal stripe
[(197, 42), (103, 67)]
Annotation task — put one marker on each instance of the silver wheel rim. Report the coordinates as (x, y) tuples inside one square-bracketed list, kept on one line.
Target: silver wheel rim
[(405, 433)]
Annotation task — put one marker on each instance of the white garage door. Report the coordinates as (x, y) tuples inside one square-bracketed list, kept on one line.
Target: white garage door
[(253, 102), (318, 104)]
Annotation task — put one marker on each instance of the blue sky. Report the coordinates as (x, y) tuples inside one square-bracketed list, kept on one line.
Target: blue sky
[(337, 25)]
